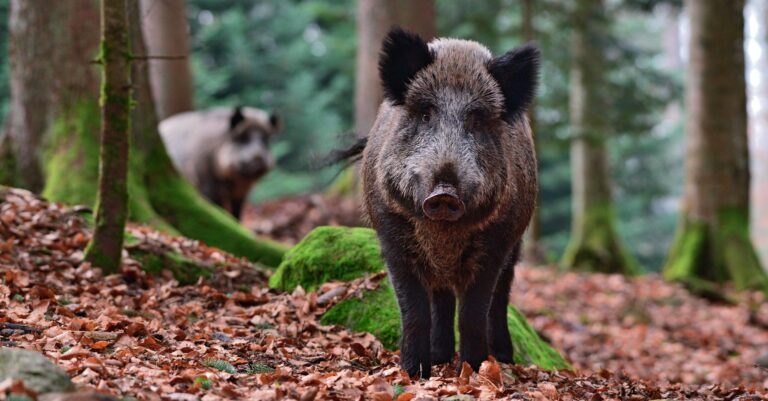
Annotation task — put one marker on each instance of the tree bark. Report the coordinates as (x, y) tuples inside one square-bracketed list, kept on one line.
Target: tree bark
[(166, 33), (69, 120), (594, 243), (38, 30), (374, 19), (533, 250), (106, 246), (713, 243)]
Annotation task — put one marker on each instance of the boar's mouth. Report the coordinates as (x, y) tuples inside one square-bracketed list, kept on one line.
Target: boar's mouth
[(443, 204)]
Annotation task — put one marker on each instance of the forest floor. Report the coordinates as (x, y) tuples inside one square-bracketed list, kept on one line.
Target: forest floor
[(229, 337)]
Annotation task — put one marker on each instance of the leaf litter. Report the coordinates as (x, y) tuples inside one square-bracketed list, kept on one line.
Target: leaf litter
[(230, 337)]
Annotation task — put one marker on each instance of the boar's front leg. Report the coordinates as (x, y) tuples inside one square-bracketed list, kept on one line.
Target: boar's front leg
[(413, 300), (474, 305), (443, 341), (500, 342)]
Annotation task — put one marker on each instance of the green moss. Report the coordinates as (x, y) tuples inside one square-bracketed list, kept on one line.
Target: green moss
[(184, 270), (705, 255), (341, 253), (529, 347), (595, 245), (329, 253), (72, 169), (194, 217), (8, 169), (687, 251), (376, 313)]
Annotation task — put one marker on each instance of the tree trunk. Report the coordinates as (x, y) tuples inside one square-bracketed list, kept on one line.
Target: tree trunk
[(166, 34), (374, 19), (37, 29), (70, 121), (533, 250), (106, 246), (758, 129), (594, 243), (713, 243)]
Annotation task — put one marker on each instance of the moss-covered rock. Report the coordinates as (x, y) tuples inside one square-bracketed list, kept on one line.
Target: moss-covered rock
[(326, 254), (377, 313), (339, 253)]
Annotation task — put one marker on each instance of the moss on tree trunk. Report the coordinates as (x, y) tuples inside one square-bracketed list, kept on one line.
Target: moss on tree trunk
[(106, 246), (595, 245), (703, 254), (340, 253)]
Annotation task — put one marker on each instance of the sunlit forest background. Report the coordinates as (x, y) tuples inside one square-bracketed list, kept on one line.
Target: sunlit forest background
[(298, 58)]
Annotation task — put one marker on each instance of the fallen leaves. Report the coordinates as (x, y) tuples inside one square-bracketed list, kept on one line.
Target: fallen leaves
[(230, 337)]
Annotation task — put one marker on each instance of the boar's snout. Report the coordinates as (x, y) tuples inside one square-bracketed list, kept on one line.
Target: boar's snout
[(443, 204)]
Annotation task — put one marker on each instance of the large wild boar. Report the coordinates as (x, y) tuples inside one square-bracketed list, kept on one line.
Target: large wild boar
[(222, 151), (449, 176)]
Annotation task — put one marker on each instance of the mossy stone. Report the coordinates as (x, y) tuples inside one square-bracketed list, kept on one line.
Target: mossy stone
[(341, 253), (326, 254), (377, 313)]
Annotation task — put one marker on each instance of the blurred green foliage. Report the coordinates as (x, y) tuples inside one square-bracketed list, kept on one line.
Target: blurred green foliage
[(297, 57)]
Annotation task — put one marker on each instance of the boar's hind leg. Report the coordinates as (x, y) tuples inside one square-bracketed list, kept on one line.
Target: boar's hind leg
[(443, 311), (474, 305), (499, 340), (413, 300)]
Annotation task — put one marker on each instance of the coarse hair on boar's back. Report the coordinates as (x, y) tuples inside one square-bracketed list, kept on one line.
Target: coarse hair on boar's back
[(449, 177)]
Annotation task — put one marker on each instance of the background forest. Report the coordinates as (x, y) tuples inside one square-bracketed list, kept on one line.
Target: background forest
[(127, 267), (243, 51)]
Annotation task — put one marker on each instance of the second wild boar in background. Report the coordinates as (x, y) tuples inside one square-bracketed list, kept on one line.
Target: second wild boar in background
[(449, 177), (222, 151)]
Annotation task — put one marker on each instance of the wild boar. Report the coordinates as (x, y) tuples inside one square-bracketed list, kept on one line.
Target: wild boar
[(449, 178), (222, 151)]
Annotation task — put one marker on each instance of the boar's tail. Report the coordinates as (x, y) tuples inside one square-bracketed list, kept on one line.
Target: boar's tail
[(348, 155)]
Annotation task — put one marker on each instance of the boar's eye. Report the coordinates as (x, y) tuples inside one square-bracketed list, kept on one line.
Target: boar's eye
[(425, 117), (476, 118)]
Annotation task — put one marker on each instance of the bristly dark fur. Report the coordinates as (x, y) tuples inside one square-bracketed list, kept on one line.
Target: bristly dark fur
[(517, 74), (453, 117), (402, 56)]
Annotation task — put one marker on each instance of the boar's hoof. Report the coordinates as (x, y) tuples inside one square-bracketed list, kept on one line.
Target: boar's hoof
[(443, 204)]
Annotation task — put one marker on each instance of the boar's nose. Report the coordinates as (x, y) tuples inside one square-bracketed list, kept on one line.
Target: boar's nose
[(443, 204)]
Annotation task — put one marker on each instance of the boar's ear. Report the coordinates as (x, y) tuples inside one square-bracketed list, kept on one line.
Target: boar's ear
[(237, 117), (276, 122), (517, 73), (402, 56)]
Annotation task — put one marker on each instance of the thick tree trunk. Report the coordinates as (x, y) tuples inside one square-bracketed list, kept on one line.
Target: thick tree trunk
[(106, 246), (713, 242), (533, 250), (158, 195), (374, 19), (45, 38), (594, 244), (166, 34)]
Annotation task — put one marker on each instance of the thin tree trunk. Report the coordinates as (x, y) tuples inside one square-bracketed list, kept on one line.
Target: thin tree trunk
[(594, 243), (533, 251), (713, 242), (166, 33), (106, 246)]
